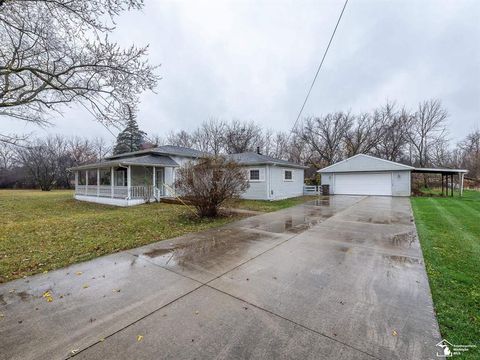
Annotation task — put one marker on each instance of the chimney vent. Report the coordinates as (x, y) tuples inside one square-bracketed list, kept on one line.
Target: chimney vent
[(258, 150)]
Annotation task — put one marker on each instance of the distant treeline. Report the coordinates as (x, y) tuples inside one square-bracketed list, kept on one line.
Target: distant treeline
[(416, 137)]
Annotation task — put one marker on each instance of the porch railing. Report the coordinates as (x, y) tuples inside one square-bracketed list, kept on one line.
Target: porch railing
[(119, 192)]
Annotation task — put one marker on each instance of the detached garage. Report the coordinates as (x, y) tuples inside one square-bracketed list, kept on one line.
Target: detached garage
[(367, 175)]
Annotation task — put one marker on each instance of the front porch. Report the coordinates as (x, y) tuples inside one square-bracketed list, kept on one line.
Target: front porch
[(123, 185)]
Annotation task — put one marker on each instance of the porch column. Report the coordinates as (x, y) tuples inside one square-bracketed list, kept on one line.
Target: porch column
[(86, 182), (461, 175), (112, 181), (154, 177), (129, 181), (98, 182), (76, 181)]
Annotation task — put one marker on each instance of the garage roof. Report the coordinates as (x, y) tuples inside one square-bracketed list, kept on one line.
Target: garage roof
[(365, 163)]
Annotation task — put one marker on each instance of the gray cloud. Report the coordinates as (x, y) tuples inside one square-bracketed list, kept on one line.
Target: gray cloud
[(254, 60)]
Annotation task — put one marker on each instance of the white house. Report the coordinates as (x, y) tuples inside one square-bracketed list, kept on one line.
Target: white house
[(134, 178), (368, 175)]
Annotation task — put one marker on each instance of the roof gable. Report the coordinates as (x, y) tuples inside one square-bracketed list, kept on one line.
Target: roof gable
[(362, 162)]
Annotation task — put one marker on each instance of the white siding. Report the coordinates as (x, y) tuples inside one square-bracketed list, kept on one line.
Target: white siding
[(258, 189), (283, 189), (401, 183)]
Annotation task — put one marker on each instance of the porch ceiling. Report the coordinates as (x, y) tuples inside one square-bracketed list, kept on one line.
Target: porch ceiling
[(145, 160)]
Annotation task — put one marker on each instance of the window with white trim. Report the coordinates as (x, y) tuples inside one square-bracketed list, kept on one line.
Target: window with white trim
[(288, 175), (254, 175)]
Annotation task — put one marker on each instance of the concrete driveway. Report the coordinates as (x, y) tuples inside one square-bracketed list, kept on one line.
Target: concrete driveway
[(337, 278)]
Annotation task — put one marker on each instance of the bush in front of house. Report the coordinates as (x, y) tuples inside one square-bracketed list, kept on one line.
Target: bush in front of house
[(210, 182)]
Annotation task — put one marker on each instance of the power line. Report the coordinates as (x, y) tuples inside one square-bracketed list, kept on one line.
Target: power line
[(318, 69)]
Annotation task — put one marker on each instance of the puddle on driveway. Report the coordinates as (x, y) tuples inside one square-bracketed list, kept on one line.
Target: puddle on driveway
[(402, 260), (209, 249), (404, 240), (290, 224)]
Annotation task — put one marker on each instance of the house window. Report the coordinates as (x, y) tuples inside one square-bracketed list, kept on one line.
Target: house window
[(105, 177), (288, 175), (121, 177), (255, 174)]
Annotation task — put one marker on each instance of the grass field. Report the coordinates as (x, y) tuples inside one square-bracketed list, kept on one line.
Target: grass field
[(41, 231), (449, 230)]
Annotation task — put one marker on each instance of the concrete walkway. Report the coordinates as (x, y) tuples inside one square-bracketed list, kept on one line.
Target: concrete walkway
[(337, 278)]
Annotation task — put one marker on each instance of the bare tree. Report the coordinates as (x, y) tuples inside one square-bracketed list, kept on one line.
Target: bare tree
[(46, 161), (365, 134), (469, 150), (57, 52), (276, 145), (7, 155), (81, 151), (241, 136), (100, 147), (181, 138), (426, 128), (210, 136), (392, 145), (325, 137), (210, 183)]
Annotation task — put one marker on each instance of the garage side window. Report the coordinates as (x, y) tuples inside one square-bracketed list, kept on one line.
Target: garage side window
[(288, 175), (254, 174)]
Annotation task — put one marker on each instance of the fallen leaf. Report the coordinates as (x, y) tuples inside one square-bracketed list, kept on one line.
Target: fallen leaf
[(196, 312), (139, 338), (78, 273), (102, 340), (74, 351), (46, 271), (394, 333), (116, 290), (47, 295), (1, 316), (85, 286), (11, 291)]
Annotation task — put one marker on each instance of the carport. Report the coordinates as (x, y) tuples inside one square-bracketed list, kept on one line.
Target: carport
[(447, 178), (363, 174)]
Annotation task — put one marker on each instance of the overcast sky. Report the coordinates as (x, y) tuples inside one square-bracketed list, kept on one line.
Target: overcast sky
[(254, 60)]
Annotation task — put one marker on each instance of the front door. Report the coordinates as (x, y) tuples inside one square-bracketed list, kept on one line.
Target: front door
[(159, 179)]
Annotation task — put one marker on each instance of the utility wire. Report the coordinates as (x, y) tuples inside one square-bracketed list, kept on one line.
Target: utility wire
[(318, 70)]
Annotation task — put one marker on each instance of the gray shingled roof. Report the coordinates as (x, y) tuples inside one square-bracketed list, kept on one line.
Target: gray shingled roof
[(163, 150), (148, 160), (252, 158)]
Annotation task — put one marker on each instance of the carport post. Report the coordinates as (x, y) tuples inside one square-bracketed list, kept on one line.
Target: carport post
[(451, 185), (460, 175), (442, 183)]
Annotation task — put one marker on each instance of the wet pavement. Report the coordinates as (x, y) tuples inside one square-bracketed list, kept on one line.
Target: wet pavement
[(340, 277)]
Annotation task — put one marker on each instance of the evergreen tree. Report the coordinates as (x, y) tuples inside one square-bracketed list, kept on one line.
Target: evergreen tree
[(131, 138)]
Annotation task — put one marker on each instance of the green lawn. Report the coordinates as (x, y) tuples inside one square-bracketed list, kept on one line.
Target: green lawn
[(41, 231), (449, 230), (268, 206)]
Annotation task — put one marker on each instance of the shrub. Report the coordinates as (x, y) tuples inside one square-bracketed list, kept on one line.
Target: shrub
[(210, 182)]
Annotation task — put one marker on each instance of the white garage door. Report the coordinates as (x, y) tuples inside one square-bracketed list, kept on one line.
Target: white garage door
[(363, 184)]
